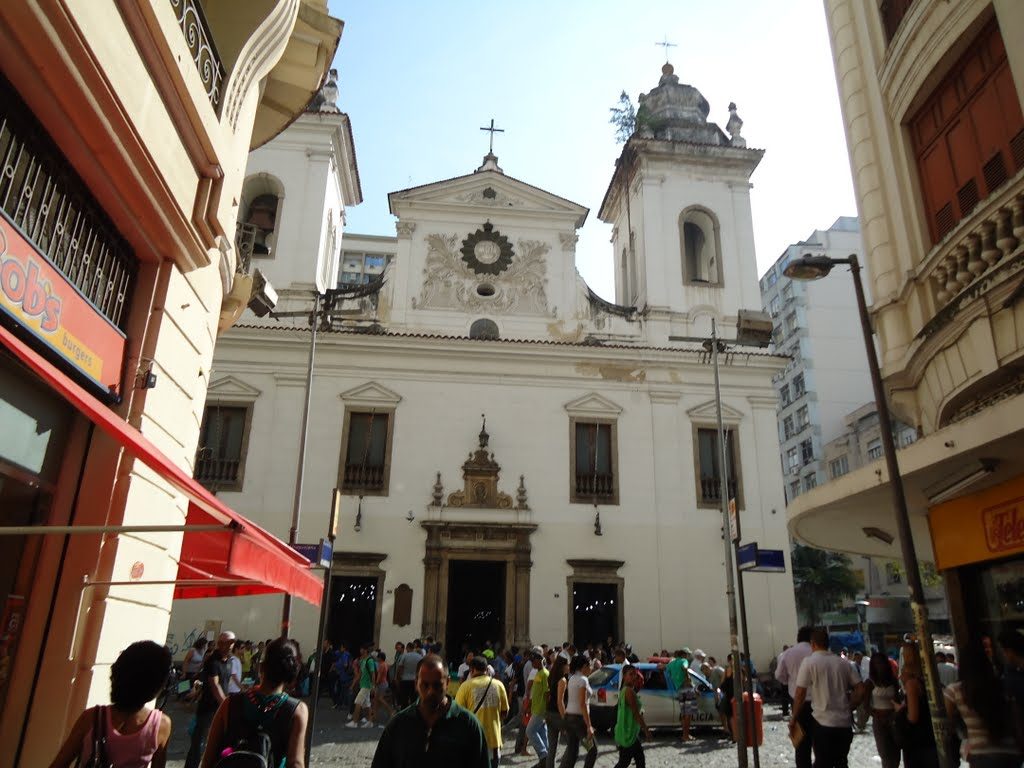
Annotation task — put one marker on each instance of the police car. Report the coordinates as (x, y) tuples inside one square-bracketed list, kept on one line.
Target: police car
[(658, 697)]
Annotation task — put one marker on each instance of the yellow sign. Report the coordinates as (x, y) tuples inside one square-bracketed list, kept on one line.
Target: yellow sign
[(987, 525)]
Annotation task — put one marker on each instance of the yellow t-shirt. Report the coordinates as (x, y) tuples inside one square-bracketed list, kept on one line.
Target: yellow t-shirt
[(490, 711)]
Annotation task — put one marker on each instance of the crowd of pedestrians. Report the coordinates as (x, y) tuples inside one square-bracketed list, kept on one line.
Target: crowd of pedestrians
[(833, 693), (544, 695)]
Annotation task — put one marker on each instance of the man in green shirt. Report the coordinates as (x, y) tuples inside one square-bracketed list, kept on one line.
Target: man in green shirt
[(629, 721), (367, 671), (677, 671), (435, 732)]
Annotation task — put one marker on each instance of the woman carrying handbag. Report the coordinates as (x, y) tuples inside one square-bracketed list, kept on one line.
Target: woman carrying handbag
[(127, 734)]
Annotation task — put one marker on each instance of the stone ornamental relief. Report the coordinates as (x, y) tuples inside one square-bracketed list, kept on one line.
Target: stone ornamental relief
[(449, 282), (480, 474), (490, 196)]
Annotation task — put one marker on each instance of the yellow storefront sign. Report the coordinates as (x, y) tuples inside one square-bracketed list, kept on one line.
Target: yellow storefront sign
[(987, 525)]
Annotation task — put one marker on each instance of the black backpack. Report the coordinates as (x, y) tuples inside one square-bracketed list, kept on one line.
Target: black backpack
[(259, 744)]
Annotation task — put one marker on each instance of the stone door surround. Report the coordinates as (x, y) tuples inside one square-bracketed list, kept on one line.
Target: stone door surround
[(507, 542)]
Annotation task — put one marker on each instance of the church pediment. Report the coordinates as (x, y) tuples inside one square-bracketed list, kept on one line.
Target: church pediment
[(371, 395), (594, 406), (487, 191), (225, 388), (707, 412)]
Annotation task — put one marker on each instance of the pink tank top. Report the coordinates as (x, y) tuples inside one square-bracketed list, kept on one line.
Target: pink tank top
[(134, 750)]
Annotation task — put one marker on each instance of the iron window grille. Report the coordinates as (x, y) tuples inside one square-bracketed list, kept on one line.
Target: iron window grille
[(54, 209)]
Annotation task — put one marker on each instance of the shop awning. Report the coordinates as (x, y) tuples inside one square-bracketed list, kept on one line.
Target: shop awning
[(251, 559)]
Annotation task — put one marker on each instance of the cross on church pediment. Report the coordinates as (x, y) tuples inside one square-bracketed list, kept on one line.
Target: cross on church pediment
[(492, 130)]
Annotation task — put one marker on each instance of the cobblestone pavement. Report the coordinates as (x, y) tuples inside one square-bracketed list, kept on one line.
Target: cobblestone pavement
[(341, 747)]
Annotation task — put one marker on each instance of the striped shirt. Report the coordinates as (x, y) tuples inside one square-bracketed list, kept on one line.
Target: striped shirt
[(978, 742)]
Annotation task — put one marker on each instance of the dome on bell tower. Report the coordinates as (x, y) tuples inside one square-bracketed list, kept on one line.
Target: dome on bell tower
[(675, 111)]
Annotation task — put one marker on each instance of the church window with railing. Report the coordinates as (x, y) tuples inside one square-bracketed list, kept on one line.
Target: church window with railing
[(366, 461), (223, 442), (594, 462), (709, 467)]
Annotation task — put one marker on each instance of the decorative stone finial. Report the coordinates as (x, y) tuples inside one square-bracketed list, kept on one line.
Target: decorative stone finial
[(438, 497), (734, 126), (490, 164), (668, 76), (521, 494), (484, 437)]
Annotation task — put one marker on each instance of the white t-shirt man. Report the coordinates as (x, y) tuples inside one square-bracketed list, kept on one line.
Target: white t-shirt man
[(235, 681), (789, 665), (827, 678)]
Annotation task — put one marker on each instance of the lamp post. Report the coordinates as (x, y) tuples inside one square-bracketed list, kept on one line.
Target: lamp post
[(811, 267), (714, 345), (862, 621), (300, 471)]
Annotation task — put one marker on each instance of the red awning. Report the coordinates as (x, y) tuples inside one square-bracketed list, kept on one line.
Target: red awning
[(241, 552)]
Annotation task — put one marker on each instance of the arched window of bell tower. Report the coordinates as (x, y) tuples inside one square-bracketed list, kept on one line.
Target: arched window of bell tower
[(259, 215), (700, 247)]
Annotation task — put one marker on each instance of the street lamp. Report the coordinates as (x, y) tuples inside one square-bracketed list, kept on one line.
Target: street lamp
[(862, 619), (814, 267)]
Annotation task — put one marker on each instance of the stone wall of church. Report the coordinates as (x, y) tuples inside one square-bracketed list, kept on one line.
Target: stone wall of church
[(670, 547)]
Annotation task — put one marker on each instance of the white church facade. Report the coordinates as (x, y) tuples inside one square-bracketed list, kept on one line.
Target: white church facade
[(519, 460)]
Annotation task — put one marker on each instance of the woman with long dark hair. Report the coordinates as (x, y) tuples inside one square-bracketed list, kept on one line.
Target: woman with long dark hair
[(557, 682), (268, 706), (128, 733), (883, 690), (979, 697), (918, 739)]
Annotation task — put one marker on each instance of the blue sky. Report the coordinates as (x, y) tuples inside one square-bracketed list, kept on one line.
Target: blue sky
[(418, 79)]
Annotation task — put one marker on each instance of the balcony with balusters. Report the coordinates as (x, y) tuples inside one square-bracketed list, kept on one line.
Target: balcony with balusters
[(983, 251), (596, 486), (711, 489), (360, 477)]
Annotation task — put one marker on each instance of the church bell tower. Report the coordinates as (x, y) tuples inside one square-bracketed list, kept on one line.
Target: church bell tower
[(679, 201)]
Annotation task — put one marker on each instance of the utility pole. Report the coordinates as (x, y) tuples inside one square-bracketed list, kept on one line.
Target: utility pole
[(730, 578)]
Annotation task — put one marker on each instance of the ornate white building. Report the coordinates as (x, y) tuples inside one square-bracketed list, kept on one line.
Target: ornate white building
[(588, 505), (932, 96)]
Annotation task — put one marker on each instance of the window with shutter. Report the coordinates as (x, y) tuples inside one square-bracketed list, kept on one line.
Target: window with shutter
[(367, 458), (968, 136), (594, 462), (709, 463), (223, 439)]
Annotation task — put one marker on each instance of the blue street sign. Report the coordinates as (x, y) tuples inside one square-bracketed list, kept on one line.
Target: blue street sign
[(319, 554), (770, 561), (326, 553), (746, 556), (750, 558)]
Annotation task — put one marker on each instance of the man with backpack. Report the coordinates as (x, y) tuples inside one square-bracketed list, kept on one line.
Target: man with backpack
[(367, 672)]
